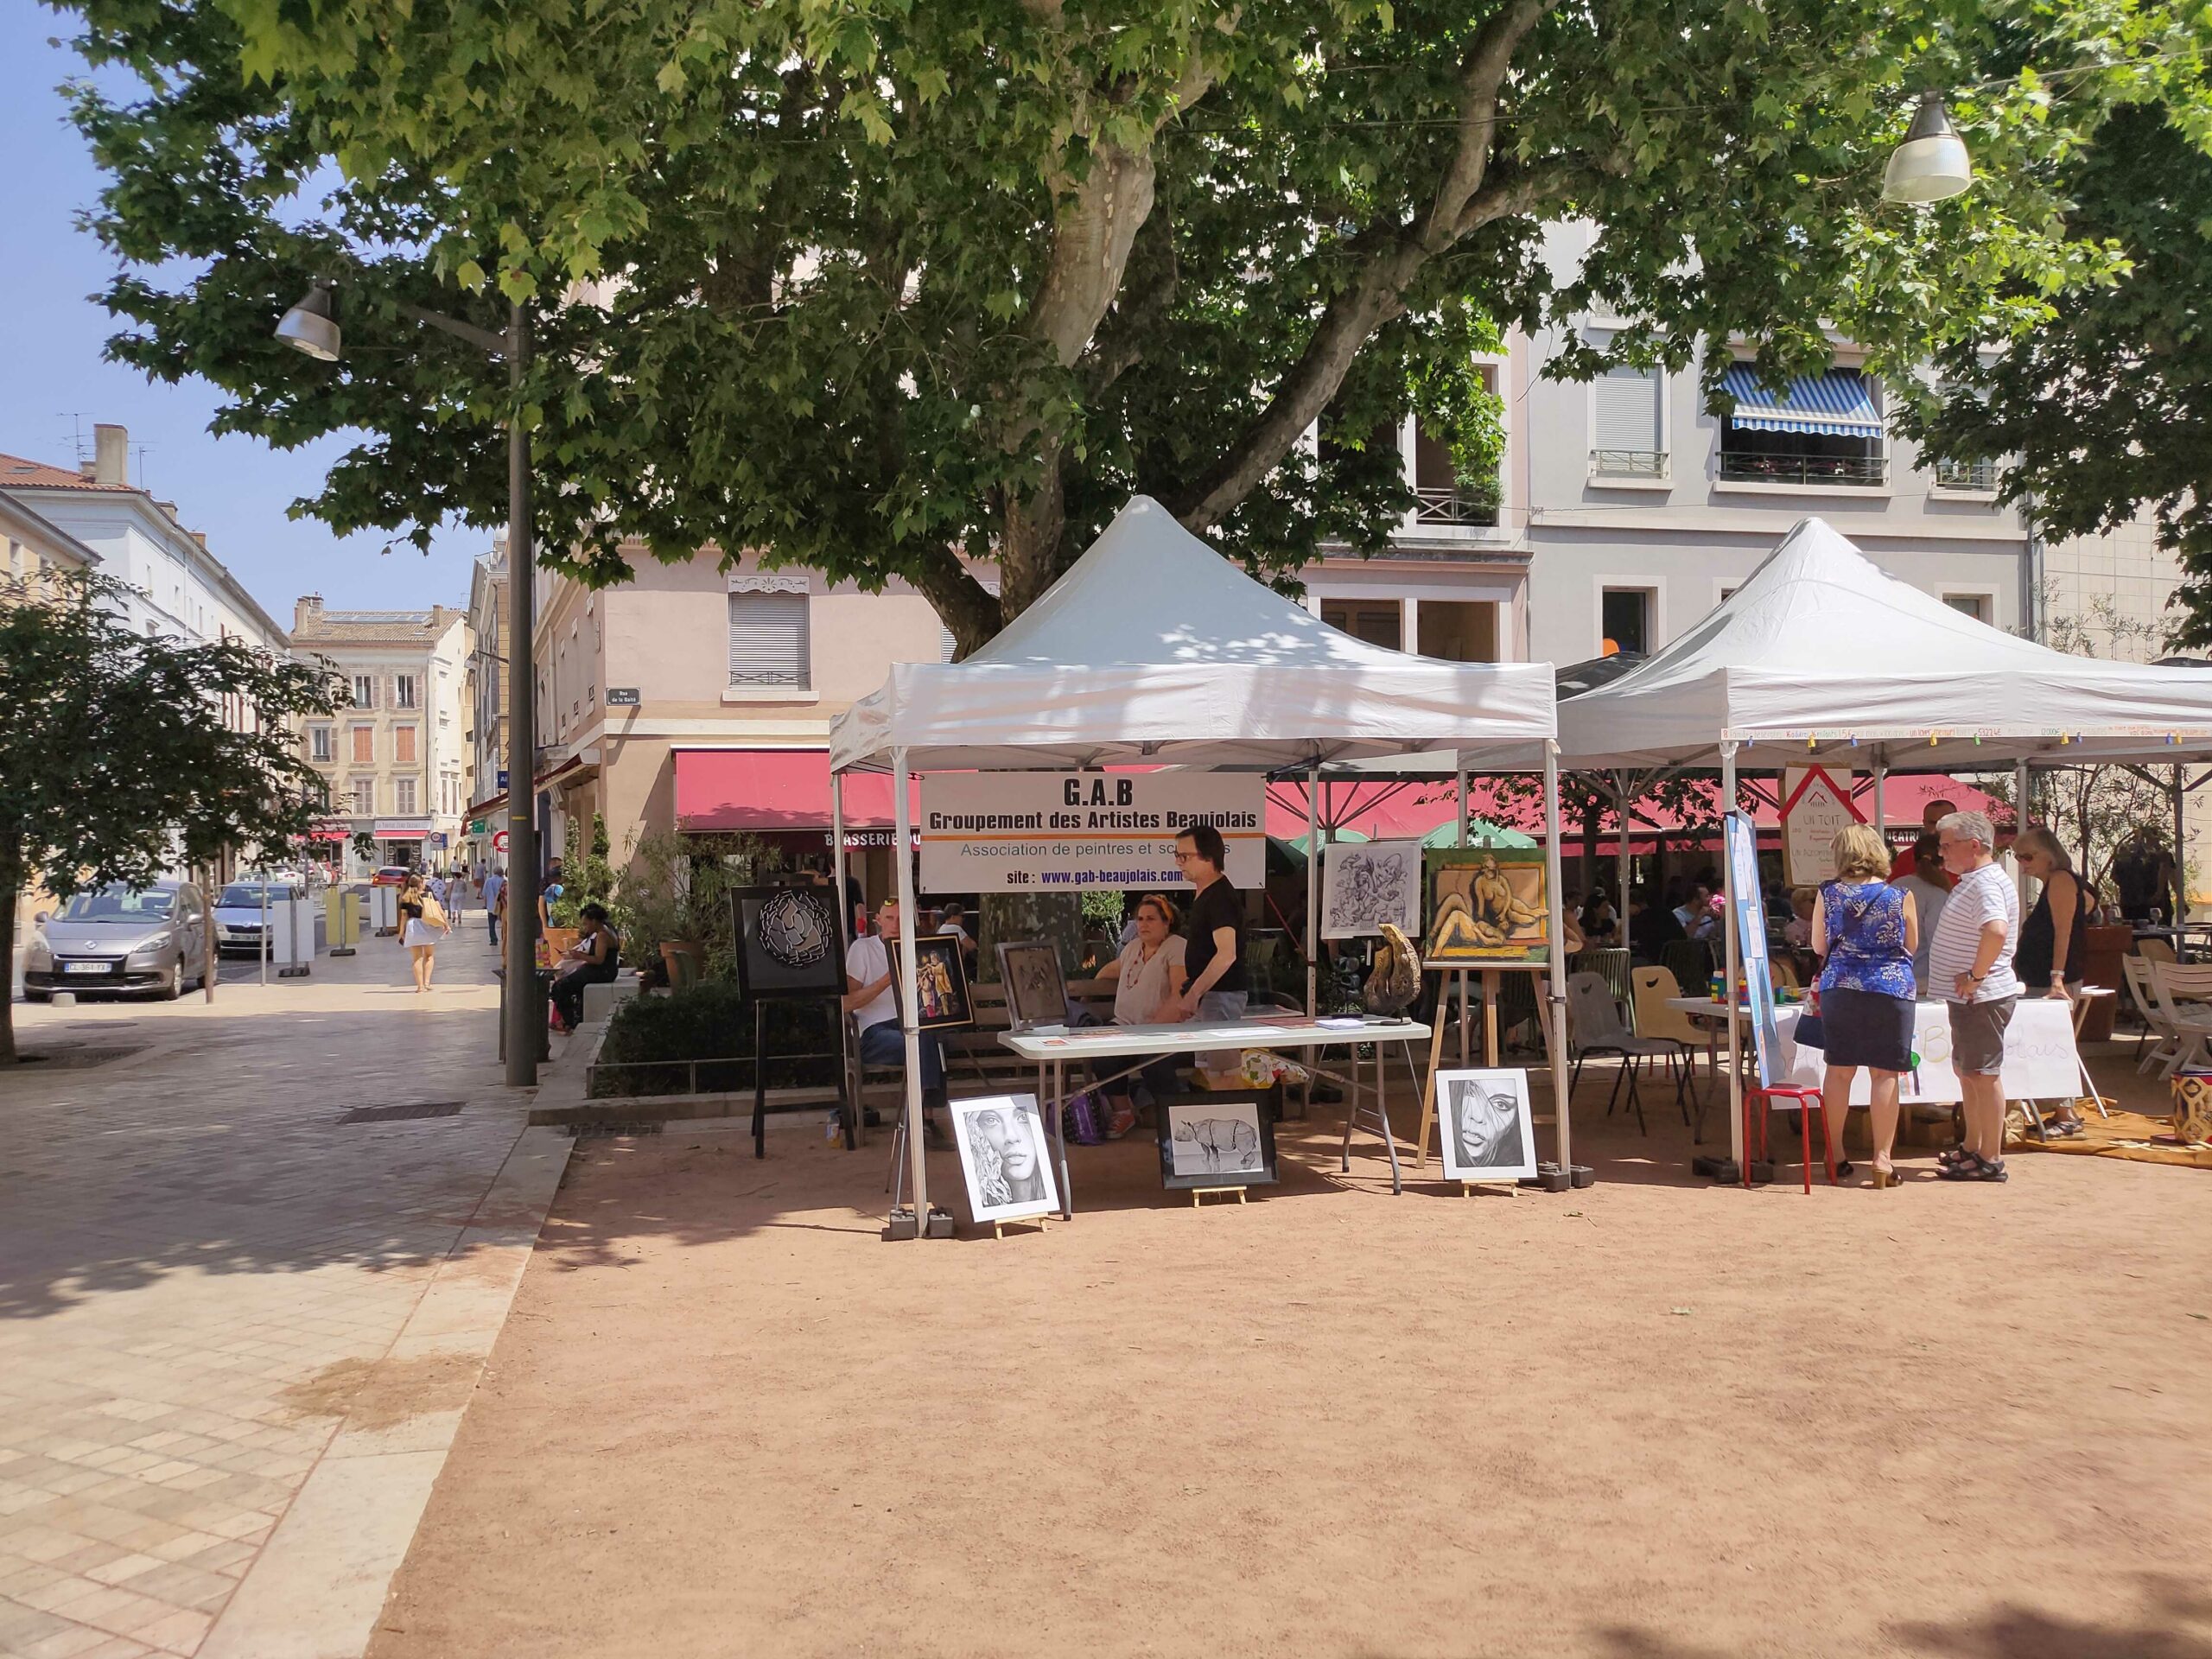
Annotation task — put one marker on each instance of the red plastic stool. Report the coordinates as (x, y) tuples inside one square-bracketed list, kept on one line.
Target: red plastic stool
[(1809, 1102)]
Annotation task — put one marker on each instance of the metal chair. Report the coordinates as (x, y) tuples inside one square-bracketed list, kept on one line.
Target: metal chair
[(1609, 962), (1809, 1100), (1690, 961), (1599, 1029)]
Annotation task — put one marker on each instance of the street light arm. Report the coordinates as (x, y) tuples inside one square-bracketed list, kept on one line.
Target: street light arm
[(484, 339)]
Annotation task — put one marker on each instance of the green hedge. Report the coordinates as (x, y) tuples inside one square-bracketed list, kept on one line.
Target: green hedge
[(709, 1021)]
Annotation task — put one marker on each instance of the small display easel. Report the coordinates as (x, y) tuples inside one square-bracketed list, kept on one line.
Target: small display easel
[(1198, 1194), (1493, 977)]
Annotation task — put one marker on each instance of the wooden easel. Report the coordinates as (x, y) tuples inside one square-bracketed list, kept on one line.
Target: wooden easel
[(1467, 1188), (1198, 1193), (998, 1228), (1492, 978)]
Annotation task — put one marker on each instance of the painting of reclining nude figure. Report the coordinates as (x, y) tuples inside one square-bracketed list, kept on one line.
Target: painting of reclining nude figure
[(1222, 1141), (1487, 904)]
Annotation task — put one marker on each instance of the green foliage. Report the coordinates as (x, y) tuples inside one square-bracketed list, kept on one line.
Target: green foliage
[(677, 885), (587, 878), (364, 846), (710, 1022), (2105, 411), (115, 764), (870, 286)]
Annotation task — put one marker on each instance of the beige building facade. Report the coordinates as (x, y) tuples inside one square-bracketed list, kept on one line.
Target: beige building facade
[(394, 761)]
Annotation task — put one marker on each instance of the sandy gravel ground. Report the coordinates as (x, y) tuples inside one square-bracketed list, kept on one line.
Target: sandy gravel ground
[(1651, 1419)]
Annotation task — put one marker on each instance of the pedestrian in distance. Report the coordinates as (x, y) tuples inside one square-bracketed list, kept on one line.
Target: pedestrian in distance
[(495, 901), (423, 924)]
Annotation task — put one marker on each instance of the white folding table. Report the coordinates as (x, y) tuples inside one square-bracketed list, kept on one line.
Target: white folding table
[(1143, 1043)]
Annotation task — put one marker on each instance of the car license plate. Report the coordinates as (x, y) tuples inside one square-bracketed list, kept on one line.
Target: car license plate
[(84, 967)]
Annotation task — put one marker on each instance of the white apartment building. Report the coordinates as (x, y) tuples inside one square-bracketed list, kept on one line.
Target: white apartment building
[(395, 761), (183, 591)]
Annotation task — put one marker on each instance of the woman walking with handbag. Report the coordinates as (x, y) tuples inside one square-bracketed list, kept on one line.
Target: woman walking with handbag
[(423, 924)]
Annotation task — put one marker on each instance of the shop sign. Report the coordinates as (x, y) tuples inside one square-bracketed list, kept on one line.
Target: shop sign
[(476, 826), (1008, 831), (622, 696)]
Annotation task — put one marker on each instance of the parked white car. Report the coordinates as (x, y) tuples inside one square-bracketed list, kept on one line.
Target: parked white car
[(238, 912)]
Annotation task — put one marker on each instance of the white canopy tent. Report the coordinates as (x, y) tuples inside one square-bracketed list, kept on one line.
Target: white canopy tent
[(1820, 658), (1153, 649)]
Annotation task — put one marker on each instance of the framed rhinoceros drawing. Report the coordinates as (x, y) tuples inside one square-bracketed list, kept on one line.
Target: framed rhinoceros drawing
[(1222, 1141)]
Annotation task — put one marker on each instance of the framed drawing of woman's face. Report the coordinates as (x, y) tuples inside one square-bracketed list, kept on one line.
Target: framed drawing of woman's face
[(1486, 1128), (1005, 1158)]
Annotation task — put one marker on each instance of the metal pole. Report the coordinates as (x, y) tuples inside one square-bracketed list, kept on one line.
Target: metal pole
[(909, 918), (1461, 840), (1728, 981), (2020, 822), (264, 924), (1557, 1023), (1312, 888), (844, 914), (1620, 899), (2181, 845), (524, 1015), (1881, 806)]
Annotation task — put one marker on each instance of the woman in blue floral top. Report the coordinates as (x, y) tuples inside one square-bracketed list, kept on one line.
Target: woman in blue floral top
[(1867, 931)]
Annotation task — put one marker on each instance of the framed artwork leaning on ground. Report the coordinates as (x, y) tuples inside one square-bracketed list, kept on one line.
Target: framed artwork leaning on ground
[(1036, 994), (1224, 1140), (1004, 1159), (1485, 1127), (788, 943), (1487, 904)]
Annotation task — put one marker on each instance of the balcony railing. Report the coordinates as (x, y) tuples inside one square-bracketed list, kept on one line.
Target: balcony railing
[(1448, 506), (1980, 475), (1628, 463), (1862, 472)]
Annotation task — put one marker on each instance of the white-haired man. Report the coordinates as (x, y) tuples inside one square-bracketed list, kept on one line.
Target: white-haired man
[(1970, 964)]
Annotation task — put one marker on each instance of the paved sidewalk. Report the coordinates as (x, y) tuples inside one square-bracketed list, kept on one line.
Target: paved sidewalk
[(211, 1292)]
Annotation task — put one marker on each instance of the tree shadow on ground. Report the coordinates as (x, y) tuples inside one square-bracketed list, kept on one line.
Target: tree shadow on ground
[(2007, 1631), (220, 1151)]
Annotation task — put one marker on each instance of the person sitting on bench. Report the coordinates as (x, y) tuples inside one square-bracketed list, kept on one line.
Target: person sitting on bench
[(595, 959), (869, 998)]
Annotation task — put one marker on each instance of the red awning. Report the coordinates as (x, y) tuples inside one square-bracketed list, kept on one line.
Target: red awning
[(776, 789)]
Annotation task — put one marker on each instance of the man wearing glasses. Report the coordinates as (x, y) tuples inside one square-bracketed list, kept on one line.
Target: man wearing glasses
[(1213, 930)]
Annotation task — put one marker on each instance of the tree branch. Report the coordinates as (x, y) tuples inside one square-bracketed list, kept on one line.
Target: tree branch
[(964, 604), (1377, 292)]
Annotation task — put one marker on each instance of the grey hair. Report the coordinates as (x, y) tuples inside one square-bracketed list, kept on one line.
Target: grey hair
[(1968, 826)]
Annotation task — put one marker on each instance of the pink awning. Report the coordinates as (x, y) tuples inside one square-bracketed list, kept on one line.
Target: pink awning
[(776, 789)]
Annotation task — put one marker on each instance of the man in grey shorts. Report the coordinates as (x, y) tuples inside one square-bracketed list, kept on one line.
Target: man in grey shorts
[(1970, 964)]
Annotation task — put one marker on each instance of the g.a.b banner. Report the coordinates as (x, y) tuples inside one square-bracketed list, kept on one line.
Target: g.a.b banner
[(1024, 831)]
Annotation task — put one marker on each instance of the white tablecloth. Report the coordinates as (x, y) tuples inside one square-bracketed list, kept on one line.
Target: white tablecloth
[(2040, 1060)]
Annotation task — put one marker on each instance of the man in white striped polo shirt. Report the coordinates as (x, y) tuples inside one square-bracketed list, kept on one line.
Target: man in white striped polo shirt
[(1970, 965)]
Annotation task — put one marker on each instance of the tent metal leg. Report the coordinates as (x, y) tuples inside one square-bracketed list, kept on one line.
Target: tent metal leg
[(902, 859), (1561, 1105), (1728, 985)]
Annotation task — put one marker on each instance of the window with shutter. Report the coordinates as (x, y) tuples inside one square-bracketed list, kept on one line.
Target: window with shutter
[(365, 745), (1627, 429), (767, 640)]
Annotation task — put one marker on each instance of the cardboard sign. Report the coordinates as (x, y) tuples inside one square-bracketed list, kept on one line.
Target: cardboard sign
[(1814, 806), (1021, 831)]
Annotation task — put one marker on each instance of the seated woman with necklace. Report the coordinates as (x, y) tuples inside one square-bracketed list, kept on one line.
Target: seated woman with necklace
[(1147, 978)]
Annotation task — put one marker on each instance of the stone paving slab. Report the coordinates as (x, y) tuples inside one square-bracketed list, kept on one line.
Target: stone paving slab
[(209, 1287)]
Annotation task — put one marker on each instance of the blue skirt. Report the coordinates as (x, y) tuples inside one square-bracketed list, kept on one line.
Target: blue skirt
[(1868, 1028)]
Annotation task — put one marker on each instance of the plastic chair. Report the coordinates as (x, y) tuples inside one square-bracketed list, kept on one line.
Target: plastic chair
[(1809, 1101), (1654, 988), (2158, 1032), (1598, 1030), (2173, 984)]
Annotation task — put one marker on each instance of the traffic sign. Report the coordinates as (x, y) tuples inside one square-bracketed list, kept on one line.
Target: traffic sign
[(476, 826), (500, 841), (503, 779)]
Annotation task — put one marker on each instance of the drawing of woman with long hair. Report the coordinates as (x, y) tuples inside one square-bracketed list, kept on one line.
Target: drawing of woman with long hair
[(1006, 1157)]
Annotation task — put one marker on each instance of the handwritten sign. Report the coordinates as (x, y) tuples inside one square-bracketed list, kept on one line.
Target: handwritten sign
[(1741, 837), (1814, 807)]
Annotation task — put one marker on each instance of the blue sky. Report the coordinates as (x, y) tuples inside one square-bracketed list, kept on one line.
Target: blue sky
[(53, 382)]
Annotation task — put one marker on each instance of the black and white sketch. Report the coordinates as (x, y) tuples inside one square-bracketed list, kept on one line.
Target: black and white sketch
[(788, 943), (1005, 1158), (1367, 883), (1036, 994), (1486, 1132), (1225, 1141)]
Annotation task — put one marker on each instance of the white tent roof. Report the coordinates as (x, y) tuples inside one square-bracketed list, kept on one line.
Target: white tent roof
[(1153, 647), (1820, 645)]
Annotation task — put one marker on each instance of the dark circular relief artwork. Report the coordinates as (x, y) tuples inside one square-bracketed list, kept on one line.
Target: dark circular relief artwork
[(795, 928)]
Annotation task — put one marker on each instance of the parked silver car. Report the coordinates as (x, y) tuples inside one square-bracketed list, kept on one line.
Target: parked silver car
[(238, 914), (120, 938)]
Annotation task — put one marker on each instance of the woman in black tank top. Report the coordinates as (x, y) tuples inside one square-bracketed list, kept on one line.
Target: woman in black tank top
[(2054, 949)]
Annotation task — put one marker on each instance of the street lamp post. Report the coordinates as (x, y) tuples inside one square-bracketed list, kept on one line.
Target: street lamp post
[(312, 327)]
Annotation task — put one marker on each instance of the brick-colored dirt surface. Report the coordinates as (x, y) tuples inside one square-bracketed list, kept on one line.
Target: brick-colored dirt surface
[(1653, 1419), (199, 1264)]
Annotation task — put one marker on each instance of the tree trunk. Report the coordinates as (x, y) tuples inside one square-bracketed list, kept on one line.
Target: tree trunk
[(10, 896)]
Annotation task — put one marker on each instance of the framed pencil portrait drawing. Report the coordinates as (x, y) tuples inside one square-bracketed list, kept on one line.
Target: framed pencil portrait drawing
[(1005, 1159), (1036, 994), (1483, 1121)]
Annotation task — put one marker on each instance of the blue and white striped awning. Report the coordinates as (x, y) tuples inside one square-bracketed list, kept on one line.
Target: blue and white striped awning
[(1836, 402)]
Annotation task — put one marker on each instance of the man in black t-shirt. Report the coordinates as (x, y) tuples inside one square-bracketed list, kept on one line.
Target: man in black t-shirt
[(1213, 930)]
